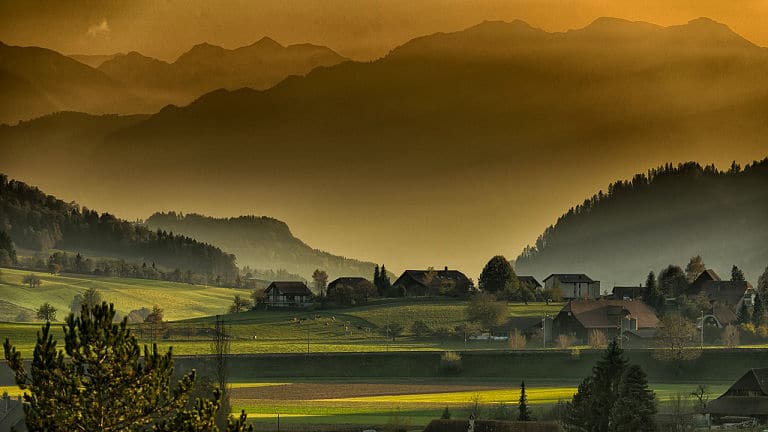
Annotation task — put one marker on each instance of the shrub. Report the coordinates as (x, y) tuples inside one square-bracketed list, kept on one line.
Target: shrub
[(730, 336), (762, 331), (420, 329), (396, 423), (564, 341), (517, 340), (450, 363), (597, 339)]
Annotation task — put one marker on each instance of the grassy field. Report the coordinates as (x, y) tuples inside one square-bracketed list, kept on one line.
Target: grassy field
[(376, 403), (191, 308), (180, 301)]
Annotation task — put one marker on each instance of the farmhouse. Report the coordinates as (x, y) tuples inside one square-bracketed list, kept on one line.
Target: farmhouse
[(726, 297), (573, 285), (530, 282), (580, 317), (747, 397), (627, 292), (414, 283), (351, 290), (288, 295)]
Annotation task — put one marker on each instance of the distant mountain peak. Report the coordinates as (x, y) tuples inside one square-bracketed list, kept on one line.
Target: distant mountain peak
[(267, 42)]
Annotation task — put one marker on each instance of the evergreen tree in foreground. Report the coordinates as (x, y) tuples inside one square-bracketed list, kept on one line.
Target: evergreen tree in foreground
[(102, 384), (635, 406), (525, 412), (598, 394)]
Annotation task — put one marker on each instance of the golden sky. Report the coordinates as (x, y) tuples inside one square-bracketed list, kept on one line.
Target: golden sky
[(360, 29)]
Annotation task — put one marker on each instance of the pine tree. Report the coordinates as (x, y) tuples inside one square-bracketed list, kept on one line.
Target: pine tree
[(606, 375), (758, 311), (102, 384), (762, 283), (525, 411), (376, 278), (384, 281), (736, 274), (744, 316), (635, 406), (654, 297), (578, 415)]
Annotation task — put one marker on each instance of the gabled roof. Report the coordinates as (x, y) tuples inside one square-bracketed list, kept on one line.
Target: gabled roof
[(748, 396), (570, 277), (706, 275), (290, 288), (726, 292), (420, 277), (530, 281), (350, 282), (605, 313)]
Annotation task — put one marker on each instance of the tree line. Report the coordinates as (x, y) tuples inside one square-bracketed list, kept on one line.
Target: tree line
[(37, 221)]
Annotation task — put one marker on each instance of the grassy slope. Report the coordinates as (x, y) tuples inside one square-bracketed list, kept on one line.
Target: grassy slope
[(180, 301)]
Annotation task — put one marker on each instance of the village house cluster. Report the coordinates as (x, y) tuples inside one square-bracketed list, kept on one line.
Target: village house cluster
[(587, 309)]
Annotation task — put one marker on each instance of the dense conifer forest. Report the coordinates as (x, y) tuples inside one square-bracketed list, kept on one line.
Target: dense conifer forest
[(36, 221), (663, 216)]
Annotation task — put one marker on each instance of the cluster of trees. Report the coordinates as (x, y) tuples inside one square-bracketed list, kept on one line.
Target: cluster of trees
[(63, 262), (7, 250), (382, 282), (103, 383), (499, 278), (38, 221), (615, 398)]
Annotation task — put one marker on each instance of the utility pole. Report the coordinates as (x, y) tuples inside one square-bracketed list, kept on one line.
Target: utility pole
[(307, 340), (702, 329), (543, 332)]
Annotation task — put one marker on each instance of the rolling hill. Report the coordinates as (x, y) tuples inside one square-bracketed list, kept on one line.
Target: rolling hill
[(659, 218), (262, 243), (40, 222)]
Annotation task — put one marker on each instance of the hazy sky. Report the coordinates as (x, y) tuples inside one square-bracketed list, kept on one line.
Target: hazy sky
[(360, 29)]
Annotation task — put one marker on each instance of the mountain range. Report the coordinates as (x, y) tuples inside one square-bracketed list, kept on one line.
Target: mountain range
[(40, 81), (262, 243), (483, 127)]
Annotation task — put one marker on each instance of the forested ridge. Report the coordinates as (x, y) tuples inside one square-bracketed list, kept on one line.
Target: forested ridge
[(39, 222), (663, 216), (261, 242)]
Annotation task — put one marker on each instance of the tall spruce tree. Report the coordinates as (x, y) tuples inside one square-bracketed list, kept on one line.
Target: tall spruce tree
[(596, 395), (653, 297), (578, 415), (522, 406), (635, 406), (384, 281), (376, 278), (744, 315), (736, 274), (758, 311), (98, 382), (606, 376)]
